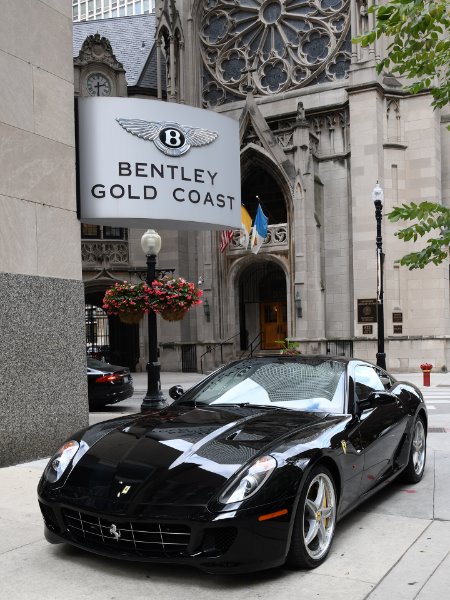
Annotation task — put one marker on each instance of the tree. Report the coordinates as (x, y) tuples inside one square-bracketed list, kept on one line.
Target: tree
[(419, 47), (428, 216)]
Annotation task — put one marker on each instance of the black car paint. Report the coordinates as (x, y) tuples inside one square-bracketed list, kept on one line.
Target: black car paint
[(171, 459)]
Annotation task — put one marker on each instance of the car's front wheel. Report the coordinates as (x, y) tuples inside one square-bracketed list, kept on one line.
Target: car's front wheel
[(315, 521)]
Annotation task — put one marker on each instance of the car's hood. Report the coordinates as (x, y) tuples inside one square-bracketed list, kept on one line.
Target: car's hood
[(179, 456)]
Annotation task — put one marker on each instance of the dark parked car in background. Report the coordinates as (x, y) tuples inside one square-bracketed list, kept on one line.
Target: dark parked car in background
[(247, 470), (107, 384)]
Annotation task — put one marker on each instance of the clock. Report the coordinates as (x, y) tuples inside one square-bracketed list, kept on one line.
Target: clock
[(98, 84)]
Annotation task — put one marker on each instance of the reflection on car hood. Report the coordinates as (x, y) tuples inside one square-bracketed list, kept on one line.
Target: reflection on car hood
[(179, 456)]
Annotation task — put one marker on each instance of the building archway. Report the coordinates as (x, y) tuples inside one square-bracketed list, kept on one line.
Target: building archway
[(262, 184), (262, 305), (106, 335)]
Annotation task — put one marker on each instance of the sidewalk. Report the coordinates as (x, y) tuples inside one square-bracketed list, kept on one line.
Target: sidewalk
[(168, 379), (439, 380), (396, 546)]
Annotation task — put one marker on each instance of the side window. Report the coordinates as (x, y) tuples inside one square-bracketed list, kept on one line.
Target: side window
[(366, 382)]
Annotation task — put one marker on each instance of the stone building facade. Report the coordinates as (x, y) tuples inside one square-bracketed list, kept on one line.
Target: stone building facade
[(43, 396), (319, 128)]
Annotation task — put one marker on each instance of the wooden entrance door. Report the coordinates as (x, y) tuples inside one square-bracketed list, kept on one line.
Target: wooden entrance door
[(273, 324)]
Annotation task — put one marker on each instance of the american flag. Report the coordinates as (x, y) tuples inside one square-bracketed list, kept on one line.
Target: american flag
[(226, 235)]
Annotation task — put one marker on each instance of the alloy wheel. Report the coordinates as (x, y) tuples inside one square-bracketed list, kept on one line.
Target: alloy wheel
[(319, 516), (419, 447)]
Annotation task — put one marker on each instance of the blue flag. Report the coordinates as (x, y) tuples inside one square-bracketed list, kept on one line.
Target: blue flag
[(259, 230)]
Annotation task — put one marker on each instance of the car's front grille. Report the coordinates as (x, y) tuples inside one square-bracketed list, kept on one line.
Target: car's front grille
[(126, 537)]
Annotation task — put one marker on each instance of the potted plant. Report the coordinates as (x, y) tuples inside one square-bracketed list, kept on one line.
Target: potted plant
[(169, 296), (288, 348), (172, 297), (128, 301)]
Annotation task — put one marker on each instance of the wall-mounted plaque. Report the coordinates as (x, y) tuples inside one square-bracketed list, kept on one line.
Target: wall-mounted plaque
[(367, 329), (367, 310), (398, 328), (397, 317)]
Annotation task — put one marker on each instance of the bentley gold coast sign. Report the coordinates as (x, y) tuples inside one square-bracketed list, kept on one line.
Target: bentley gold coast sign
[(145, 162)]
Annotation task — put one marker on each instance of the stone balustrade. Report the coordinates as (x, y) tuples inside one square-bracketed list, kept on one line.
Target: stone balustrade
[(276, 240)]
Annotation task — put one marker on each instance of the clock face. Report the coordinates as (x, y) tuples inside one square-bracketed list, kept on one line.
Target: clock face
[(98, 84)]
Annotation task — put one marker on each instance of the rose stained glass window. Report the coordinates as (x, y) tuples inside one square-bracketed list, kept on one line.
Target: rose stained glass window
[(283, 44)]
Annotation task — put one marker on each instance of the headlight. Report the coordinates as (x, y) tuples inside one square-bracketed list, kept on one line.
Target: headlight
[(61, 460), (249, 481)]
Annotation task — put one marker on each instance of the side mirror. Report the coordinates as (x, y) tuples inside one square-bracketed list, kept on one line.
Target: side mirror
[(375, 399), (176, 391)]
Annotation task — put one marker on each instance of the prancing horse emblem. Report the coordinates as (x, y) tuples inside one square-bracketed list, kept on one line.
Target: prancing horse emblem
[(171, 138), (115, 532)]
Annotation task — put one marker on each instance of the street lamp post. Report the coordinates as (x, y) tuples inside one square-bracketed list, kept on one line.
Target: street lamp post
[(151, 245), (378, 197)]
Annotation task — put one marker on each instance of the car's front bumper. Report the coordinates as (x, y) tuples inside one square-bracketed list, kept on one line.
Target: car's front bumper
[(229, 542)]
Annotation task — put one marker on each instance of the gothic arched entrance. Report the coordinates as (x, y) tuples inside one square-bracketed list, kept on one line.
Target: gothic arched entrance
[(262, 305), (113, 340), (259, 186)]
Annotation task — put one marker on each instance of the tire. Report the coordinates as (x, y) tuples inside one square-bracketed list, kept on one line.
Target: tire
[(418, 453), (315, 521)]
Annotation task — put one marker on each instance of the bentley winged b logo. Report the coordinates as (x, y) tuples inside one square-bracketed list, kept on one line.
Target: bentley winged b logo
[(171, 138)]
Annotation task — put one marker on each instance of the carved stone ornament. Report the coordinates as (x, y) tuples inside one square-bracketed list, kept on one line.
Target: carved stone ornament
[(97, 49), (285, 44)]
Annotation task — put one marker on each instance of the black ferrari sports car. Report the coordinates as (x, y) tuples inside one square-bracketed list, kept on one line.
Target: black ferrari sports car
[(249, 469)]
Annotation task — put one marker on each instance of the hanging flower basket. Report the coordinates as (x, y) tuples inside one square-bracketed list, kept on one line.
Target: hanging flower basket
[(171, 297), (171, 314), (128, 301), (131, 318)]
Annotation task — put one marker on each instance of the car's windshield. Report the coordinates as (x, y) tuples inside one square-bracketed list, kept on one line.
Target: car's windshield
[(313, 384)]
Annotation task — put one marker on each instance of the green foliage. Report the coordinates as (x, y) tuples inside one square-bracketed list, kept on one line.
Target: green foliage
[(419, 49), (288, 348), (420, 44), (428, 216)]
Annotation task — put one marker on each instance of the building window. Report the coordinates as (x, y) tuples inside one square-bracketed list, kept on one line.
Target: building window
[(113, 233), (89, 231), (100, 9), (98, 232)]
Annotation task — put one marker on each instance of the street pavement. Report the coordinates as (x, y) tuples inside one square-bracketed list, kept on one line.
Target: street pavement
[(394, 547)]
